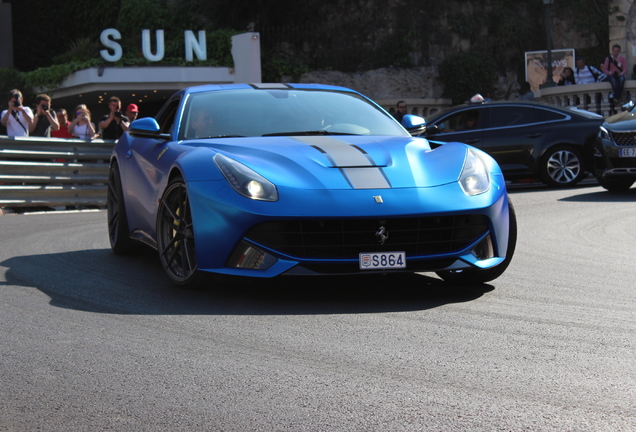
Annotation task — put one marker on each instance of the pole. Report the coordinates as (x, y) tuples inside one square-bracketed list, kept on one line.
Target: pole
[(549, 82)]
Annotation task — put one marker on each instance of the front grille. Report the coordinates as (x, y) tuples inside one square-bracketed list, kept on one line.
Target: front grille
[(624, 138), (347, 238)]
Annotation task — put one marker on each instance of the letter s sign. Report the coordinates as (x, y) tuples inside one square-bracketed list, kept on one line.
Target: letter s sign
[(106, 38)]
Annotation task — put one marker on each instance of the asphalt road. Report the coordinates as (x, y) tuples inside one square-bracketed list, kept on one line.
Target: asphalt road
[(92, 341)]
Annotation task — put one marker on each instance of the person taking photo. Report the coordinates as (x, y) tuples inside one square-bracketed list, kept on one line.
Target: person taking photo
[(114, 125), (17, 118), (45, 118)]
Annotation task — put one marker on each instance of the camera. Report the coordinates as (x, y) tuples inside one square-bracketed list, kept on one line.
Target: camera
[(45, 107), (16, 103), (118, 114)]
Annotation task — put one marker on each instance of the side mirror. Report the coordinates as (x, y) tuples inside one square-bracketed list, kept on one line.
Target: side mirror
[(414, 124), (629, 106), (147, 127)]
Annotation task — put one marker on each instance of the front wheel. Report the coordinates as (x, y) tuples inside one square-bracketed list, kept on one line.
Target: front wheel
[(474, 276), (118, 232), (175, 236), (562, 166)]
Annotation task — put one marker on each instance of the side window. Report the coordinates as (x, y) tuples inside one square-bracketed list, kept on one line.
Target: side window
[(549, 115), (166, 117), (462, 121), (515, 116)]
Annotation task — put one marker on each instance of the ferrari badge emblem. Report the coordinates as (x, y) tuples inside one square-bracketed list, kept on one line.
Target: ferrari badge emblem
[(382, 235)]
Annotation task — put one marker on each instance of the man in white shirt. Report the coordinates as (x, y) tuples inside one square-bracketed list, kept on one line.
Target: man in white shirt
[(17, 118), (585, 74)]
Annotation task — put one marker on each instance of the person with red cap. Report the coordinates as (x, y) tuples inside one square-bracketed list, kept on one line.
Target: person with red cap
[(132, 111)]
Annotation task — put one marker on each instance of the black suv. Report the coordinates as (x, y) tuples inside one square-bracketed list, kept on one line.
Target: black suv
[(614, 152), (527, 139)]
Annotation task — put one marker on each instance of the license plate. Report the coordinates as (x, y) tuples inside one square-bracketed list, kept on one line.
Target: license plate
[(382, 260), (627, 152)]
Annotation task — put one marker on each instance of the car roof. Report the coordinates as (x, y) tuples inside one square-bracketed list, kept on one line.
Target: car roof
[(517, 103), (265, 86), (508, 102)]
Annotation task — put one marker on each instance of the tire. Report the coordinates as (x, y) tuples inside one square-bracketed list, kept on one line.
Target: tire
[(175, 236), (118, 231), (616, 185), (475, 276), (562, 166)]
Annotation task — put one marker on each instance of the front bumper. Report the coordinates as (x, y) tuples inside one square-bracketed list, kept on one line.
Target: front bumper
[(222, 227), (608, 162)]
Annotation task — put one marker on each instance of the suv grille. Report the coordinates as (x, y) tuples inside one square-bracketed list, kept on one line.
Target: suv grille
[(624, 138), (346, 238)]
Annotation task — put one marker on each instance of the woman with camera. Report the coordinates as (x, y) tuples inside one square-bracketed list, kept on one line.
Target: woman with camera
[(81, 126), (45, 118), (17, 118)]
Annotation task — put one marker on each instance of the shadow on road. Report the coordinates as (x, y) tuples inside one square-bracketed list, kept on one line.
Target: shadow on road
[(603, 196), (99, 281), (533, 187)]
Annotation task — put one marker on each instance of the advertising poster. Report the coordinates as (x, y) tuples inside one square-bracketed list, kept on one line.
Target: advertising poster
[(537, 65)]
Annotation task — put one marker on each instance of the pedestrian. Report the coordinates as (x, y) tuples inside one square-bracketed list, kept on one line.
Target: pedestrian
[(567, 77), (132, 111), (45, 119), (17, 118), (400, 111), (114, 124), (586, 74), (62, 120), (615, 67), (81, 127)]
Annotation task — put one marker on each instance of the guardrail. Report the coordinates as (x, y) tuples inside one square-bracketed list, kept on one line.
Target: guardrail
[(53, 172)]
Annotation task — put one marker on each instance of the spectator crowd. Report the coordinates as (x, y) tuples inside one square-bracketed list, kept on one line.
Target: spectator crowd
[(20, 120)]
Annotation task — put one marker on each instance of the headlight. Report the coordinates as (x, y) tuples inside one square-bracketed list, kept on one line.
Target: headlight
[(244, 180), (474, 179), (604, 133)]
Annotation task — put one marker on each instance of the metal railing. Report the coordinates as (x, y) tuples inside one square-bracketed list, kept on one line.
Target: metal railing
[(589, 97), (53, 172)]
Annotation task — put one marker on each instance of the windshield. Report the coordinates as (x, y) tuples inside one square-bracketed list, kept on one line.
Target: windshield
[(270, 112)]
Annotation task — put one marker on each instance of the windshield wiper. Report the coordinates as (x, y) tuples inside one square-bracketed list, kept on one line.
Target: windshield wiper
[(218, 136), (305, 133)]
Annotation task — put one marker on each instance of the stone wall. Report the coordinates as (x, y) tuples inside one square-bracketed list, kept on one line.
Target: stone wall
[(422, 82), (385, 83)]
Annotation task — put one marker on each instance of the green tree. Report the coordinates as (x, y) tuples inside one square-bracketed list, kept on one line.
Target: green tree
[(465, 74)]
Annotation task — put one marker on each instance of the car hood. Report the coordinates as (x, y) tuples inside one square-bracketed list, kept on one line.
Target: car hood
[(621, 122), (334, 162)]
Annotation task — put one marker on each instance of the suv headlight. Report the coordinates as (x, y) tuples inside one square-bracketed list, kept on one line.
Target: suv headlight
[(474, 179), (604, 133), (244, 180)]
